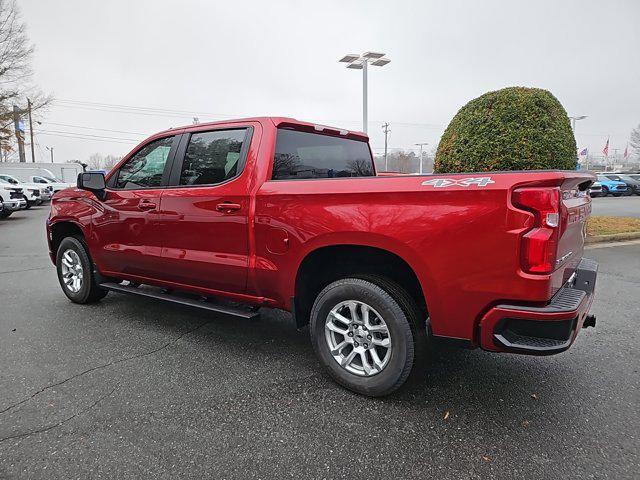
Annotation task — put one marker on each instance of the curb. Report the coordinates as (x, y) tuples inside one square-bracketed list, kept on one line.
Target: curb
[(616, 237)]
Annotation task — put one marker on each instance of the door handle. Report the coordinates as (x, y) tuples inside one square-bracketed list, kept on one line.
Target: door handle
[(146, 205), (228, 207)]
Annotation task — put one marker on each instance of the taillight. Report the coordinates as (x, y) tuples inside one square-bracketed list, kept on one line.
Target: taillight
[(540, 244)]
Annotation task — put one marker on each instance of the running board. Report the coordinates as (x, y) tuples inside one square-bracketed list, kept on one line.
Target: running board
[(189, 302)]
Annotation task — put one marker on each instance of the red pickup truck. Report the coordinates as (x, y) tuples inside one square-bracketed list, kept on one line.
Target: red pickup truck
[(274, 212)]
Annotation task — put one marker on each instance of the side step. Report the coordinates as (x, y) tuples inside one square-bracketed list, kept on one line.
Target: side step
[(168, 297)]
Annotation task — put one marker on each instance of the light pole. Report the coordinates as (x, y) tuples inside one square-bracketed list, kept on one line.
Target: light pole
[(573, 122), (420, 162), (50, 150), (361, 62)]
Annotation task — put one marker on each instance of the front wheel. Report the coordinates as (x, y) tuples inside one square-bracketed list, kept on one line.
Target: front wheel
[(362, 336), (75, 272), (605, 191), (29, 204)]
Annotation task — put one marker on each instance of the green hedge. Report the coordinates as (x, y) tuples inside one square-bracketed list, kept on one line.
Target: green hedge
[(515, 128)]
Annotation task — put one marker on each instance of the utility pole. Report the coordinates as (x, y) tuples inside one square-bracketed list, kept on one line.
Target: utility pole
[(51, 151), (33, 152), (421, 145), (19, 126), (615, 156), (386, 130)]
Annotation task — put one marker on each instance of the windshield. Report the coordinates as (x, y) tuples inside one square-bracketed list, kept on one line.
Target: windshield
[(9, 179), (53, 179)]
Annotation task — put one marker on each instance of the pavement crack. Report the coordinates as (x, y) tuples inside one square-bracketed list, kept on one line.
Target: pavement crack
[(25, 270), (105, 365), (60, 423)]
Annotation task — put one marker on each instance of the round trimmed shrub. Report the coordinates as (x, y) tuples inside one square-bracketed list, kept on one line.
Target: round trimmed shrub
[(515, 128)]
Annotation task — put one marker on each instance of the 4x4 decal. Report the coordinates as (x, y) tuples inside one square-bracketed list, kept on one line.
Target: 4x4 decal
[(461, 182)]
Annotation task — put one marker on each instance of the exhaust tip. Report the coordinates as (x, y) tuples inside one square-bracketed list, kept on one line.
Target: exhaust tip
[(589, 321)]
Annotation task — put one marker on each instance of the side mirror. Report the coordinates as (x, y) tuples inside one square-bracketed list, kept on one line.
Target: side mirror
[(93, 182)]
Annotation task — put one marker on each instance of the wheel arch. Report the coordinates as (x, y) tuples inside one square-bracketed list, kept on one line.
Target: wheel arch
[(329, 262), (62, 229)]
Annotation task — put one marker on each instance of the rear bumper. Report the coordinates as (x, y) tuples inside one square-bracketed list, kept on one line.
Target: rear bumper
[(542, 330)]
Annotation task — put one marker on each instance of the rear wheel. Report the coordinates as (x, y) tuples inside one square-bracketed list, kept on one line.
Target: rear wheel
[(605, 191), (29, 204), (363, 336), (75, 272)]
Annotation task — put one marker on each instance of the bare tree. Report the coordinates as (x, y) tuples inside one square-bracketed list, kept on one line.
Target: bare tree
[(634, 141), (16, 53), (97, 161)]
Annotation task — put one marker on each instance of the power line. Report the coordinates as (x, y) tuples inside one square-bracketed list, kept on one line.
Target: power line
[(94, 128), (98, 139), (131, 109), (148, 114), (42, 154), (136, 107), (88, 135), (175, 113)]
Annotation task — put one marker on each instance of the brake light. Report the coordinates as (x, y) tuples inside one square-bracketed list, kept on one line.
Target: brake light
[(539, 245)]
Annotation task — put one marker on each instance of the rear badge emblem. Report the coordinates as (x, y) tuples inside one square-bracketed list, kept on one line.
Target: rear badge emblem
[(461, 182)]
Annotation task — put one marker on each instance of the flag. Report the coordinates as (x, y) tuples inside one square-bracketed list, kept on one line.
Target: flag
[(583, 152), (605, 150), (626, 152)]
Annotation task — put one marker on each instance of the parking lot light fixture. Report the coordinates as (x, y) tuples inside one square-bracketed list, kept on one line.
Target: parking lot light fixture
[(352, 57), (361, 62), (573, 121)]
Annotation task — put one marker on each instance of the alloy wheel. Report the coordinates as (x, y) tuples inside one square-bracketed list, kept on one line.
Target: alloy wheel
[(358, 338)]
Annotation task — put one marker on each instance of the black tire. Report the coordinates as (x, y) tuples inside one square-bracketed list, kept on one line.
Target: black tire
[(4, 213), (417, 321), (89, 291), (605, 191), (398, 311), (29, 204), (617, 194)]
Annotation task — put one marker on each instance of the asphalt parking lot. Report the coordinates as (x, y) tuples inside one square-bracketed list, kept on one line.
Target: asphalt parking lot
[(617, 206), (134, 388)]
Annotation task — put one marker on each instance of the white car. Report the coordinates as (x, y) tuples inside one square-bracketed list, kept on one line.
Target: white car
[(52, 182), (12, 199), (34, 193)]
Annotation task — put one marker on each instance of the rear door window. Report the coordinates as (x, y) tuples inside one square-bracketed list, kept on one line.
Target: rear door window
[(213, 157), (302, 155)]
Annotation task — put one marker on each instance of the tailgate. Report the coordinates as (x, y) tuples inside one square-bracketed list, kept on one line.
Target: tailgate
[(575, 208)]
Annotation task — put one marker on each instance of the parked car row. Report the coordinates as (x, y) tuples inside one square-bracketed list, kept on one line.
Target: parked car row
[(18, 195), (616, 184)]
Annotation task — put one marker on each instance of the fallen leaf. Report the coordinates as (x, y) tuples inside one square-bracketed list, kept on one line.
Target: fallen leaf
[(446, 414), (486, 459), (525, 423), (534, 396)]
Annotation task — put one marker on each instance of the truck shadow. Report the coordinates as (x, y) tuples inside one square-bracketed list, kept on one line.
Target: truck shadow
[(486, 384)]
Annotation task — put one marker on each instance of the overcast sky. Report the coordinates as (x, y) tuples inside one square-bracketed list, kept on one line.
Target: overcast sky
[(225, 59)]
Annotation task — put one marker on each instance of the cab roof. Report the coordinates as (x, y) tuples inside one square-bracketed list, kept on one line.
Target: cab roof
[(280, 122)]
